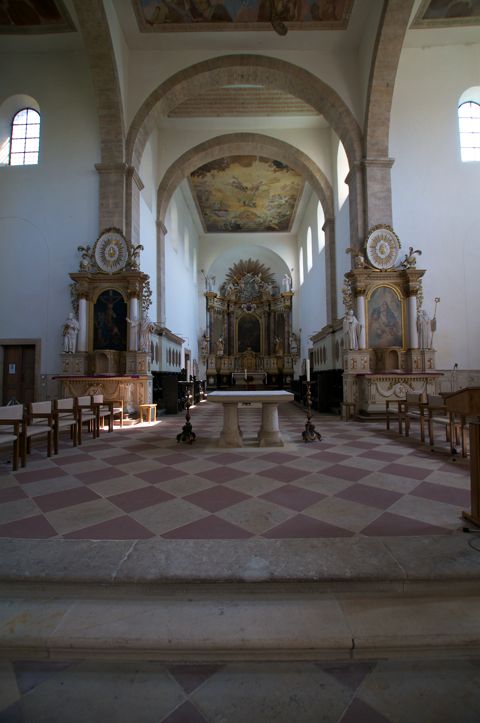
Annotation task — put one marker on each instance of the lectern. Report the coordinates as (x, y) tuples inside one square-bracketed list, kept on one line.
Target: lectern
[(466, 403)]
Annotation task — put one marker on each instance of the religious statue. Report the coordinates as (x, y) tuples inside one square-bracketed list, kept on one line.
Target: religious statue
[(287, 282), (293, 343), (71, 328), (146, 327), (351, 330), (204, 344), (277, 345), (425, 328), (410, 259), (220, 346)]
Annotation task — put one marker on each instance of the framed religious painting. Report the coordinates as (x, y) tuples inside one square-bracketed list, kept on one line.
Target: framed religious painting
[(384, 318)]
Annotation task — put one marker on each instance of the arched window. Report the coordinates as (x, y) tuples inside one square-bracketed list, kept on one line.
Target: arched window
[(320, 231), (342, 172), (309, 249), (469, 125), (25, 138), (300, 265)]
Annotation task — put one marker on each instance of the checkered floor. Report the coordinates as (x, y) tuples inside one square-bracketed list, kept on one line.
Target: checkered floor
[(139, 483)]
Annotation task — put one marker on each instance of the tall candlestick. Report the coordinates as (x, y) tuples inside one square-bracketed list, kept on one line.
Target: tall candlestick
[(308, 370)]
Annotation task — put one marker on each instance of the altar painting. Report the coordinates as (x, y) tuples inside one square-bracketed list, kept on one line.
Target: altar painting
[(110, 321), (246, 194), (248, 334), (384, 318)]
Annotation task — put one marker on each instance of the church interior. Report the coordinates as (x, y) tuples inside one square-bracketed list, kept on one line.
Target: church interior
[(240, 355)]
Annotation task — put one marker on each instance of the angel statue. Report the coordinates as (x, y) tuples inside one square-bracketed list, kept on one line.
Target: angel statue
[(85, 258), (135, 256), (410, 259)]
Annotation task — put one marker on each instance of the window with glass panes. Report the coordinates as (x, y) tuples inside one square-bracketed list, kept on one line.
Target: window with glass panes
[(25, 138), (469, 124)]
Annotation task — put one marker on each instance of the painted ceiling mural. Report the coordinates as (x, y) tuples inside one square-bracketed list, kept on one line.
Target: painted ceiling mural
[(445, 13), (171, 15), (246, 194), (34, 16)]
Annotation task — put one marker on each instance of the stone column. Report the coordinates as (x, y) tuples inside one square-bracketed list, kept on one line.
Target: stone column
[(378, 191), (82, 340), (111, 195), (330, 270), (133, 316), (161, 233), (133, 188), (354, 180), (412, 342), (361, 316)]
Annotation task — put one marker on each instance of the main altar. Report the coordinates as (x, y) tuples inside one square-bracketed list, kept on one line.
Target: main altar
[(249, 339)]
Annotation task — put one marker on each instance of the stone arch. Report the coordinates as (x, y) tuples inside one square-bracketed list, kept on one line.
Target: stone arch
[(238, 144), (248, 68), (377, 164), (244, 144)]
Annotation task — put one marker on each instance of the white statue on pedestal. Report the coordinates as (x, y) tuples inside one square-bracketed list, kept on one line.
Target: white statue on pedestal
[(220, 346), (351, 330), (146, 327), (425, 328), (287, 283), (71, 327)]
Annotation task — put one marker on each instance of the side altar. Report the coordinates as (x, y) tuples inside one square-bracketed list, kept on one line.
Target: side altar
[(387, 334), (107, 336)]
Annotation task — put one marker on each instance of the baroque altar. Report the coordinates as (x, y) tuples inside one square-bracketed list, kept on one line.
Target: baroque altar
[(108, 335), (249, 336), (387, 334)]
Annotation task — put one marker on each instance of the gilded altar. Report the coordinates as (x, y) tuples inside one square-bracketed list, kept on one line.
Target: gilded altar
[(249, 330)]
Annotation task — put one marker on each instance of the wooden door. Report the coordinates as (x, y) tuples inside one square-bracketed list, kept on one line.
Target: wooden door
[(19, 373)]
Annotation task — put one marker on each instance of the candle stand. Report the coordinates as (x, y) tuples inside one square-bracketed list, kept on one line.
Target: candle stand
[(187, 434), (309, 434)]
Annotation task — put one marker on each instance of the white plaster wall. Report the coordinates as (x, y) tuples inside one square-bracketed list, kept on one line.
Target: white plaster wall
[(181, 295), (148, 258), (149, 69), (47, 210), (177, 138), (311, 303), (435, 195), (342, 227)]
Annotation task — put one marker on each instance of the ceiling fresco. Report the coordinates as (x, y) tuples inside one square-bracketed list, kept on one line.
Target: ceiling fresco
[(208, 15), (447, 13), (34, 16), (246, 194)]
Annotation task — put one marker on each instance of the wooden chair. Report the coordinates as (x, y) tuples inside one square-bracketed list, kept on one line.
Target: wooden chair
[(65, 417), (104, 410), (86, 414), (394, 409), (11, 421), (118, 409), (438, 415), (414, 410), (38, 422)]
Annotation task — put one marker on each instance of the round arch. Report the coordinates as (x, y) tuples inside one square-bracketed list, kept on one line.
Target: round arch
[(254, 69), (244, 144)]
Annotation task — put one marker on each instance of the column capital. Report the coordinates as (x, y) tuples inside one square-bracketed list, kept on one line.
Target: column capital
[(133, 174)]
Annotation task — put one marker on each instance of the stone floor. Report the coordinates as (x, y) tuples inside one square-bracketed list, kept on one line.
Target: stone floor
[(445, 691), (345, 558), (138, 483)]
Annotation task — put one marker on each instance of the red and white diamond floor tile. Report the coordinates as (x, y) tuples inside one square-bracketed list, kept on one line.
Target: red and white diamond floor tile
[(139, 483)]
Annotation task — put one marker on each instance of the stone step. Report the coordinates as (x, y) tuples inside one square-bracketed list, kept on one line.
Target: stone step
[(221, 624)]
